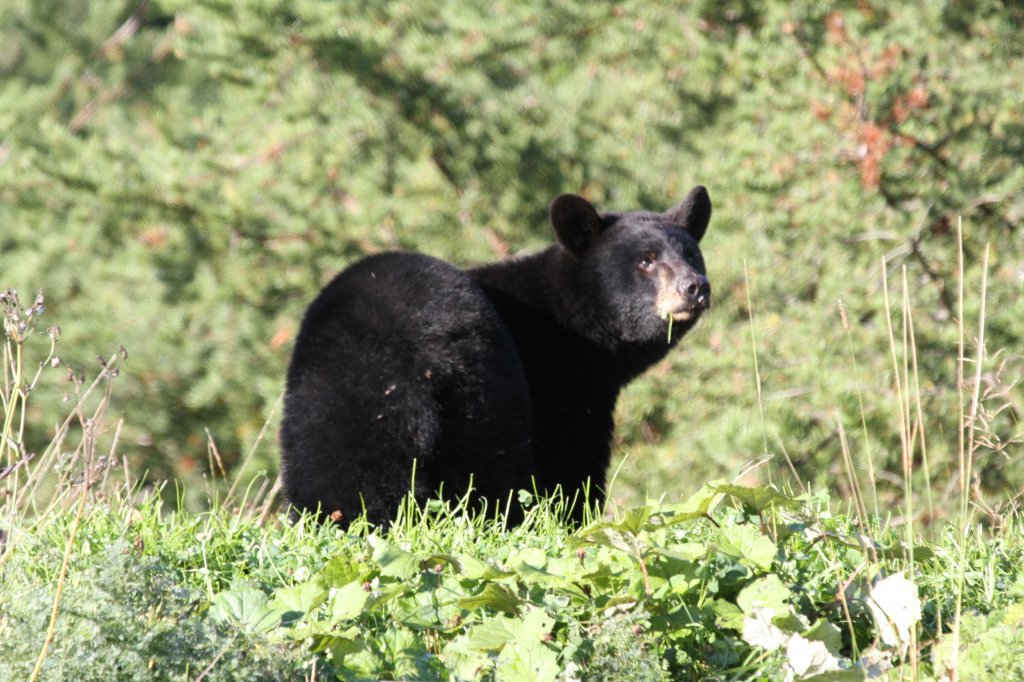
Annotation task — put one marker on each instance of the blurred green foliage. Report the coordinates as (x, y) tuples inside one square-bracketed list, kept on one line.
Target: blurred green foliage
[(182, 177)]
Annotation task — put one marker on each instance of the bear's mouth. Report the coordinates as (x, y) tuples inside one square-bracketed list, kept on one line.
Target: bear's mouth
[(684, 313), (686, 309)]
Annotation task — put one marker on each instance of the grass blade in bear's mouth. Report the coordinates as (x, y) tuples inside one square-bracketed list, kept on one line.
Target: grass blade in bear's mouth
[(683, 315)]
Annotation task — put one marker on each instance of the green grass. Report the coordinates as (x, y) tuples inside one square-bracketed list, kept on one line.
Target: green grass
[(659, 592)]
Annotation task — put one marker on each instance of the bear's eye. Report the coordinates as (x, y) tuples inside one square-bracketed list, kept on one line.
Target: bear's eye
[(646, 262)]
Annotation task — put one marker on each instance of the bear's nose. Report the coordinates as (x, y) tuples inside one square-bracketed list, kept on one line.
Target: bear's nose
[(699, 289)]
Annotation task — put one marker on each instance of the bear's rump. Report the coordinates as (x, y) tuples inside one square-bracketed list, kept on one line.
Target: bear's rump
[(403, 358)]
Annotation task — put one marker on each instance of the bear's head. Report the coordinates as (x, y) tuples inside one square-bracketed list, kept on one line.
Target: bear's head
[(638, 269)]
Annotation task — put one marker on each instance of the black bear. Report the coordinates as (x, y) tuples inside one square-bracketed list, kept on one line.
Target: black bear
[(408, 371)]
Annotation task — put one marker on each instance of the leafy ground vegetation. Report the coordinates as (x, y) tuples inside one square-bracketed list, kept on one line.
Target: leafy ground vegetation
[(822, 483), (661, 592)]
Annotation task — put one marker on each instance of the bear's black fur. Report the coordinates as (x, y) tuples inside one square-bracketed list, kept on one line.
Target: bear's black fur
[(503, 375)]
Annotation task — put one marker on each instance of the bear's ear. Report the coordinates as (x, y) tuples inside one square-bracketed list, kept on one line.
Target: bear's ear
[(693, 213), (576, 222)]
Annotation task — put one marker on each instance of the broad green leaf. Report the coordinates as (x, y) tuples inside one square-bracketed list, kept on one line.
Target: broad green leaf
[(407, 656), (635, 519), (985, 643), (698, 505), (827, 633), (527, 662), (493, 634), (294, 602), (607, 535), (475, 569), (419, 611), (758, 497), (530, 566), (609, 564), (790, 621), (245, 608), (342, 646), (493, 596), (531, 555), (347, 602), (393, 560), (747, 544), (767, 592), (526, 658), (681, 575), (536, 624), (466, 662), (358, 660), (686, 551), (632, 522), (538, 576), (566, 567), (727, 614), (557, 600)]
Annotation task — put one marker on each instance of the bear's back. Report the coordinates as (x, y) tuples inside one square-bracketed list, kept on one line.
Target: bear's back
[(403, 299)]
